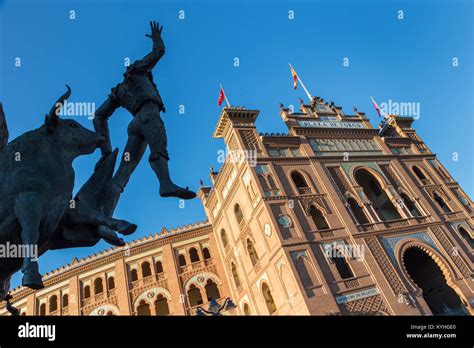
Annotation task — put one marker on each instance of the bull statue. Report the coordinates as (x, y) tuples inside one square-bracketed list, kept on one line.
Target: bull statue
[(36, 185)]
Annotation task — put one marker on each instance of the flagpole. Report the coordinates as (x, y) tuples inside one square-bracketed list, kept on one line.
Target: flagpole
[(375, 103), (302, 84), (225, 96)]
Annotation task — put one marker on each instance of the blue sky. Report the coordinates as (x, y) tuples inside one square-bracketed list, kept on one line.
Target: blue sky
[(408, 60)]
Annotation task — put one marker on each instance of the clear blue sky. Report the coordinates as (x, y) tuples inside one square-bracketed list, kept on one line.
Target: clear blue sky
[(407, 60)]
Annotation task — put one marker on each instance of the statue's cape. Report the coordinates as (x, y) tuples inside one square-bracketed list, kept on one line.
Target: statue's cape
[(91, 195), (92, 192)]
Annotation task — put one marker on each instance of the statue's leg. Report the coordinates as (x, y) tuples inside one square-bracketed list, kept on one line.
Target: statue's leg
[(154, 132), (133, 153), (29, 216)]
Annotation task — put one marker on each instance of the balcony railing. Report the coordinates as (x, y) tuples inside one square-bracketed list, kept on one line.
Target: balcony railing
[(367, 227), (351, 283), (196, 266), (148, 280), (396, 223), (86, 301), (304, 190), (257, 267)]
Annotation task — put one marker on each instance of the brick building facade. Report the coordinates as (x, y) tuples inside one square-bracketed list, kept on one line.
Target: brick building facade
[(333, 218)]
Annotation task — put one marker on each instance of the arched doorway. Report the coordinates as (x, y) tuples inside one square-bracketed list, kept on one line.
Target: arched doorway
[(427, 275)]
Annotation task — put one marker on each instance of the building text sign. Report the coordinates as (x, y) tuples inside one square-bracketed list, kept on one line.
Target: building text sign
[(329, 124), (357, 295)]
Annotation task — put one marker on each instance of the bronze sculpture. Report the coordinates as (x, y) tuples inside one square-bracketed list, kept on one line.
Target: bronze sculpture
[(139, 95), (37, 207)]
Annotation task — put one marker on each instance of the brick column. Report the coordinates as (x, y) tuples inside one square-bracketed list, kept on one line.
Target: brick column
[(74, 296), (121, 287), (31, 304), (176, 305)]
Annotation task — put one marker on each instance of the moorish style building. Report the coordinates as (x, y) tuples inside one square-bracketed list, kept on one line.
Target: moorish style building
[(333, 218)]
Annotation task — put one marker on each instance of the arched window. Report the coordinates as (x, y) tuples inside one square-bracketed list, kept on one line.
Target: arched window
[(98, 286), (225, 241), (53, 303), (65, 300), (235, 275), (420, 175), (110, 314), (442, 204), (318, 218), (267, 295), (161, 305), (252, 252), (263, 182), (303, 272), (381, 203), (247, 309), (134, 275), (111, 283), (410, 206), (193, 255), (271, 182), (143, 308), (466, 236), (206, 253), (338, 258), (300, 183), (182, 260), (42, 310), (23, 314), (357, 211), (146, 269), (238, 214), (194, 296), (212, 292), (159, 267), (87, 291)]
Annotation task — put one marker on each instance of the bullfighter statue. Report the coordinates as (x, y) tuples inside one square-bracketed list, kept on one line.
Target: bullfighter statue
[(139, 95)]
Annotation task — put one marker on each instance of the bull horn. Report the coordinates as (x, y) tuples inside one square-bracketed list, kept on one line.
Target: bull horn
[(53, 113)]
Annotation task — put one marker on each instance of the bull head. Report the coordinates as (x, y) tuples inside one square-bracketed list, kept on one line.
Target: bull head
[(51, 120)]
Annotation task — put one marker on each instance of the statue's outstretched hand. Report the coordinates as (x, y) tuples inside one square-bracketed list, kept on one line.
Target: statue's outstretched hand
[(155, 32)]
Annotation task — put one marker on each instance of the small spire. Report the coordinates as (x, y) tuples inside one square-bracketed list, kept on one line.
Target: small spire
[(201, 183), (281, 105), (355, 109), (301, 101)]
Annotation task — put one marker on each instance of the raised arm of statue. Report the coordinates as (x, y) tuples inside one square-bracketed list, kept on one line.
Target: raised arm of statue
[(149, 61), (101, 124)]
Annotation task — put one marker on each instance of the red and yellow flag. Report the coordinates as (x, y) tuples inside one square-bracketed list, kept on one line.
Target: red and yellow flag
[(295, 77)]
